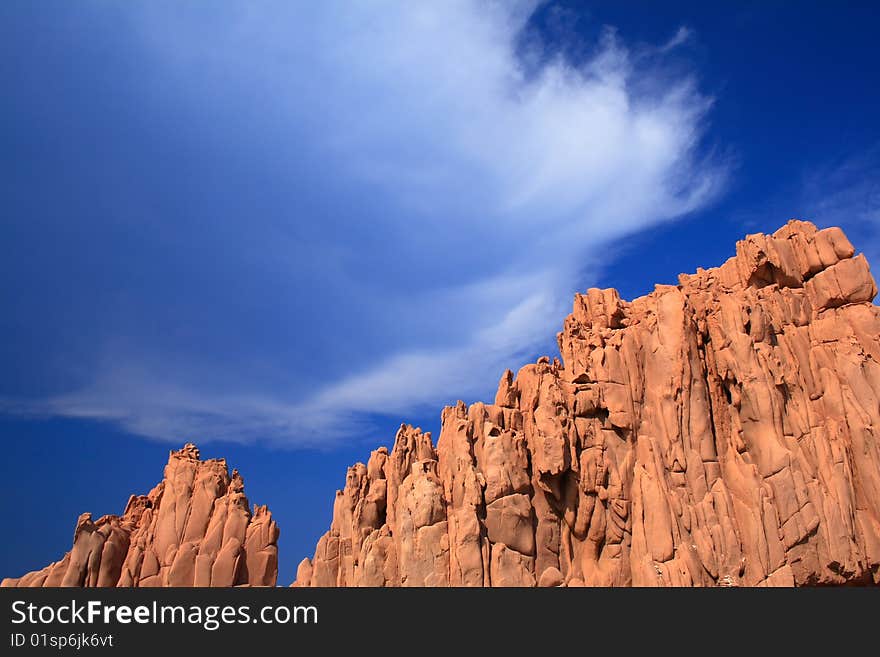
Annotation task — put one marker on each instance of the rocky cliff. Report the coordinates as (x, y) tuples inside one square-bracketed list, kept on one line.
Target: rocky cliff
[(722, 431), (194, 529), (718, 432)]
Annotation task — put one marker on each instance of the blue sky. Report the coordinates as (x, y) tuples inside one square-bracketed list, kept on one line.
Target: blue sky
[(280, 229)]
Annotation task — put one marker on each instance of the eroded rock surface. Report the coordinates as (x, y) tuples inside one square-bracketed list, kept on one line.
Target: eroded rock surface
[(722, 431), (194, 529)]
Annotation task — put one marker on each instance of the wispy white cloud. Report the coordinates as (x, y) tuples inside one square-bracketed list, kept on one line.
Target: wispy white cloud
[(847, 190), (476, 196), (682, 35)]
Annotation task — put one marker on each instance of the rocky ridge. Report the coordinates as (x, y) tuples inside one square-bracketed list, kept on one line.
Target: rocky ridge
[(718, 432)]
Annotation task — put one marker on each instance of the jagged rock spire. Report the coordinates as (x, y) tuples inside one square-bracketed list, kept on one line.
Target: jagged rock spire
[(194, 529)]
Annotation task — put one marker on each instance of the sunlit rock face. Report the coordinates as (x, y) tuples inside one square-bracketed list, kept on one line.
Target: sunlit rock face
[(195, 528), (718, 432)]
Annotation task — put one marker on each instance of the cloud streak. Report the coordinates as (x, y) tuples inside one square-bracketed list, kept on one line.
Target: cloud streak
[(682, 35), (432, 205)]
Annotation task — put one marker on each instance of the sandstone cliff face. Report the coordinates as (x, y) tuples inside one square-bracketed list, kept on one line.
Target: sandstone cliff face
[(723, 431), (194, 529)]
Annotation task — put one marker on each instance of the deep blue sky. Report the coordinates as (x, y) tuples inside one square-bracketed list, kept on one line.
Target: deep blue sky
[(280, 231)]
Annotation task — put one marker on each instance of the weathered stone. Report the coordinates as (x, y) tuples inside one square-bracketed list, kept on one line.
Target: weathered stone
[(194, 529), (719, 432)]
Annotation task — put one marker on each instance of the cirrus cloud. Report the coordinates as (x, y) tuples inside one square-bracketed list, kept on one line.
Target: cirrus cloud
[(424, 205)]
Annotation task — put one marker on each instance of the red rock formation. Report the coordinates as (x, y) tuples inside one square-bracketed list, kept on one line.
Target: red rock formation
[(194, 529), (722, 431)]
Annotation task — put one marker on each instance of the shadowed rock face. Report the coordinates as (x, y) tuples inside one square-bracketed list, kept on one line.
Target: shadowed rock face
[(194, 529), (723, 431)]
